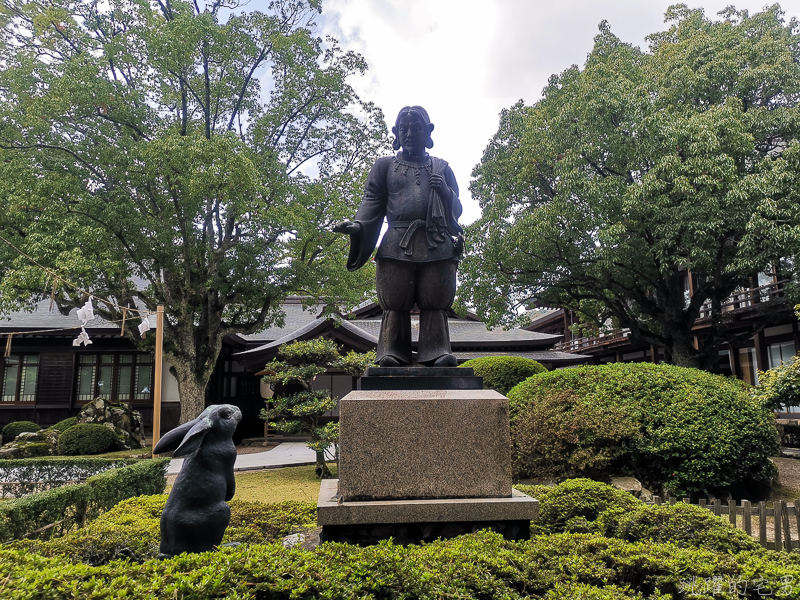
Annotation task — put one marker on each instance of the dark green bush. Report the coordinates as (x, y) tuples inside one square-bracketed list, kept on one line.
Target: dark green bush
[(86, 438), (12, 430), (477, 566), (565, 438), (62, 426), (575, 504), (501, 373), (72, 505), (131, 529), (695, 432)]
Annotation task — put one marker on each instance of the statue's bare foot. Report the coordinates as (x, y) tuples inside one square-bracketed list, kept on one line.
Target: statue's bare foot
[(448, 360)]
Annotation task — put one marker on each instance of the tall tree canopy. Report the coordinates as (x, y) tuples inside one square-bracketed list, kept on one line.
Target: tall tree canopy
[(641, 166), (181, 154)]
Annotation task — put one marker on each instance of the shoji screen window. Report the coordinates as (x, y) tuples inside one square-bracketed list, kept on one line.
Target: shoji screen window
[(118, 377)]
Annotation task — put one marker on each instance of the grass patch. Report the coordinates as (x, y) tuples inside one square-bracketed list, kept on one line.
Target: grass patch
[(277, 485)]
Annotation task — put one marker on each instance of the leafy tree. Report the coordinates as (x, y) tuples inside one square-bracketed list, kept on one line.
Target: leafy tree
[(640, 168), (779, 388), (303, 410), (179, 154)]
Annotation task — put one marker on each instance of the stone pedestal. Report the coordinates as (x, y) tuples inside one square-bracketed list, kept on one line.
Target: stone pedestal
[(414, 521), (424, 444), (417, 464)]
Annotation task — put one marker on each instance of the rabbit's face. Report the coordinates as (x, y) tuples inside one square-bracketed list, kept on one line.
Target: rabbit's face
[(226, 417)]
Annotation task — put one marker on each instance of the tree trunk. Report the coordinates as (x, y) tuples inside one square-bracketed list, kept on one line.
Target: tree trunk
[(684, 353), (321, 469), (191, 389)]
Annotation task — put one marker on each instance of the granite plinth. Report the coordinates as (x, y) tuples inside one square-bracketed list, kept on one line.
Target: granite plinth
[(424, 444), (516, 507), (420, 378)]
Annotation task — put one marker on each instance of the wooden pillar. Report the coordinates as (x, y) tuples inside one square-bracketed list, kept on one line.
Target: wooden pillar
[(762, 360), (158, 374), (567, 332), (653, 354), (733, 359)]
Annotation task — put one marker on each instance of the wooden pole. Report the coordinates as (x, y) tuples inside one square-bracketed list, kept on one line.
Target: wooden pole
[(157, 386)]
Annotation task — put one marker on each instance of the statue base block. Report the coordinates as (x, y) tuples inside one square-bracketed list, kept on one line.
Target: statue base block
[(424, 444), (414, 521), (420, 378)]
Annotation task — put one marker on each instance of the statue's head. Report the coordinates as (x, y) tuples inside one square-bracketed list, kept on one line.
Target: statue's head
[(412, 130)]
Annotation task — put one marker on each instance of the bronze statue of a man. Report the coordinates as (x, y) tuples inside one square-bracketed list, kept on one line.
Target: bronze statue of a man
[(419, 253)]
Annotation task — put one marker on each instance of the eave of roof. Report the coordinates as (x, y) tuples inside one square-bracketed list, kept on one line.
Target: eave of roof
[(341, 330)]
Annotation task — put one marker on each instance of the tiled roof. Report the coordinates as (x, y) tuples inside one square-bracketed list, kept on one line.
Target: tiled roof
[(549, 356), (43, 318), (295, 318), (346, 326), (468, 332)]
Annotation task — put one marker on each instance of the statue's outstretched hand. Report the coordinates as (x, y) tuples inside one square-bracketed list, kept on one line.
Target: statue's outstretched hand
[(347, 227)]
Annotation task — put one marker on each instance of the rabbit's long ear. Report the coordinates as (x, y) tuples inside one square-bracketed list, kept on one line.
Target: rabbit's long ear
[(172, 439), (194, 437)]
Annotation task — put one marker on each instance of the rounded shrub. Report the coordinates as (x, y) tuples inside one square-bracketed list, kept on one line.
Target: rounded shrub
[(574, 505), (501, 373), (685, 430), (684, 525), (86, 438), (12, 430), (62, 426)]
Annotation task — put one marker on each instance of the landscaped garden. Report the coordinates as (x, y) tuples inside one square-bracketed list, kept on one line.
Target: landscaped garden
[(680, 430), (590, 541)]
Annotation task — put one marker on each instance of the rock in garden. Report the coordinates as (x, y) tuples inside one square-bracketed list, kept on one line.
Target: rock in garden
[(31, 444), (627, 484), (119, 416)]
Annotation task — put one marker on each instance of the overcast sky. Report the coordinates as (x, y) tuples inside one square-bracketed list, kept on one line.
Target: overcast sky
[(465, 60)]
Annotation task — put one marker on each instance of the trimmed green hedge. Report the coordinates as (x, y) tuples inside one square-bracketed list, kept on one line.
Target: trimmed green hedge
[(478, 566), (570, 505), (667, 553), (687, 430), (40, 474), (86, 438), (12, 430), (131, 529), (501, 373), (586, 506), (73, 504), (684, 525)]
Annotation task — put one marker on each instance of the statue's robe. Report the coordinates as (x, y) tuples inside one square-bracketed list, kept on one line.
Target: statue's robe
[(417, 257)]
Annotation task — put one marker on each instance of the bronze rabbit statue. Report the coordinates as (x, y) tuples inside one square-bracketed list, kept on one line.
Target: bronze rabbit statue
[(196, 514)]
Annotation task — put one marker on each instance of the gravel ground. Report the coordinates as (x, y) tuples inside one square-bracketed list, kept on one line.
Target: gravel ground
[(789, 474)]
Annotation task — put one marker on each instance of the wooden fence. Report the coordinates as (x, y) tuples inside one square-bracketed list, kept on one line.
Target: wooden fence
[(781, 515)]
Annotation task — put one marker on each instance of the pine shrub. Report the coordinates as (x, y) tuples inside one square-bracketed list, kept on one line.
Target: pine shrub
[(86, 438)]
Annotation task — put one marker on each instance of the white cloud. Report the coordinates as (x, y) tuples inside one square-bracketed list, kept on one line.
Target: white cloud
[(465, 61)]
